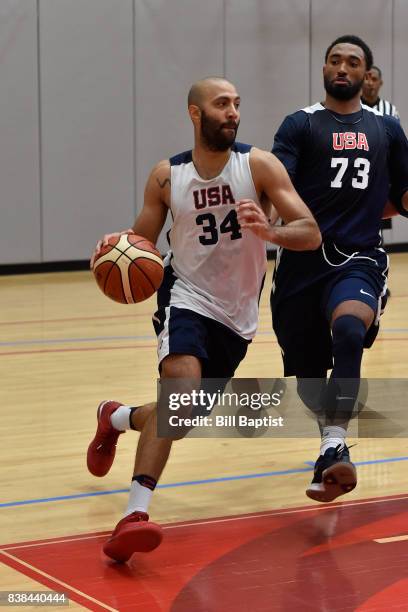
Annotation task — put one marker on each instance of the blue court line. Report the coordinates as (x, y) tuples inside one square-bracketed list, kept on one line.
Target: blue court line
[(188, 483)]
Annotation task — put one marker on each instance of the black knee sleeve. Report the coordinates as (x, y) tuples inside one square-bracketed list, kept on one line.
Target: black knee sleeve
[(348, 342)]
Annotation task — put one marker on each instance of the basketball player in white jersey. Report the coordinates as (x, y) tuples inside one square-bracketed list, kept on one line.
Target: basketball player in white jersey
[(208, 302)]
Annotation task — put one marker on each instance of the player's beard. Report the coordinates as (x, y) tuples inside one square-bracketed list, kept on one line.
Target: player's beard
[(342, 92), (213, 134)]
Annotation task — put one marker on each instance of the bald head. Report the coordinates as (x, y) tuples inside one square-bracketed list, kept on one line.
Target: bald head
[(203, 88)]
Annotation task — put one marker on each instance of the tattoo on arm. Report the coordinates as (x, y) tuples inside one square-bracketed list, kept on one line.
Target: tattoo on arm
[(164, 183)]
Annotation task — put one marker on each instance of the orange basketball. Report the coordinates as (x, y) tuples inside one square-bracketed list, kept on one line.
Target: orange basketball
[(129, 269)]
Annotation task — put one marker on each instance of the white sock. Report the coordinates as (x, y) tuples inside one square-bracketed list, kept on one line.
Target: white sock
[(332, 436), (139, 498), (120, 418)]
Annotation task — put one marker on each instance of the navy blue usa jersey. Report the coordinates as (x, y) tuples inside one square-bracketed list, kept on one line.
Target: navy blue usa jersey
[(342, 166)]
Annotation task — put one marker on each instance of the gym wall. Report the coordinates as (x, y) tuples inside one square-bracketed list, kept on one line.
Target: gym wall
[(94, 94)]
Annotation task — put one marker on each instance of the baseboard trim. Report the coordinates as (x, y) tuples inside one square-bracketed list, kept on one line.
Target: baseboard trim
[(83, 264), (48, 266)]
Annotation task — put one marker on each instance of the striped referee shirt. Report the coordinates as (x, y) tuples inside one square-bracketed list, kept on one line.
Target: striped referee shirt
[(385, 107)]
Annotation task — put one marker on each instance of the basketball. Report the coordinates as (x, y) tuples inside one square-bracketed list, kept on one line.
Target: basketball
[(129, 269)]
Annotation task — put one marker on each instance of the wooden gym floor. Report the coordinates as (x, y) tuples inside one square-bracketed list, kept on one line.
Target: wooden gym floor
[(63, 348)]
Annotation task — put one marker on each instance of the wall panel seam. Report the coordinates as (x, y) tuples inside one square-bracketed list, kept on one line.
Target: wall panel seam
[(224, 38), (392, 51), (310, 53), (39, 132), (134, 153)]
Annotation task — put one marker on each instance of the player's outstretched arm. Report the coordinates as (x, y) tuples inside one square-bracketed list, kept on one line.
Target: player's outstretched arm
[(300, 232), (152, 217)]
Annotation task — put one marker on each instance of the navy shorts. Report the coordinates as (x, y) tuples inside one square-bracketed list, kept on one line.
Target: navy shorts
[(184, 332), (301, 320)]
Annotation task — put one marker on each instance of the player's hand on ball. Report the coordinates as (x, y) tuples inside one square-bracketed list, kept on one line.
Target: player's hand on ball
[(104, 242), (251, 216), (128, 268)]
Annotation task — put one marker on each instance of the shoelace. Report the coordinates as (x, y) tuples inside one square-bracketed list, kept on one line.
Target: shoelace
[(136, 518), (340, 449)]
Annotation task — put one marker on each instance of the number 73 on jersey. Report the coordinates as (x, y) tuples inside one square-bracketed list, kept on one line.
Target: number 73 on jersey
[(361, 167)]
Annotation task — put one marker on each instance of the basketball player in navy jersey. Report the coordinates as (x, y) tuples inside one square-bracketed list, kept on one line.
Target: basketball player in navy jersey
[(208, 302), (342, 158)]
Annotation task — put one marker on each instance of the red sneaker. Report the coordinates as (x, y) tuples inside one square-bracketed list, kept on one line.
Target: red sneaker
[(133, 534), (101, 451)]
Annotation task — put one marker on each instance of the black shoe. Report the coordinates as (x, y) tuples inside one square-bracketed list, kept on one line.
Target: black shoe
[(334, 475)]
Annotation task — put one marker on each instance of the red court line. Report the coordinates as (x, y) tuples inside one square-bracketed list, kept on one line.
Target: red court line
[(130, 316), (79, 350), (404, 339), (34, 321)]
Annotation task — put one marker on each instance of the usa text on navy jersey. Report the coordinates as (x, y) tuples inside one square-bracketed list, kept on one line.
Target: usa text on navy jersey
[(342, 166)]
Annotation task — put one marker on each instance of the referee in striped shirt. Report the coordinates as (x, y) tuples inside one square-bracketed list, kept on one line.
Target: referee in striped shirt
[(370, 96), (371, 88)]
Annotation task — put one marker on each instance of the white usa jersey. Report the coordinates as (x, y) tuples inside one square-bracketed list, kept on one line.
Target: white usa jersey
[(214, 267)]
